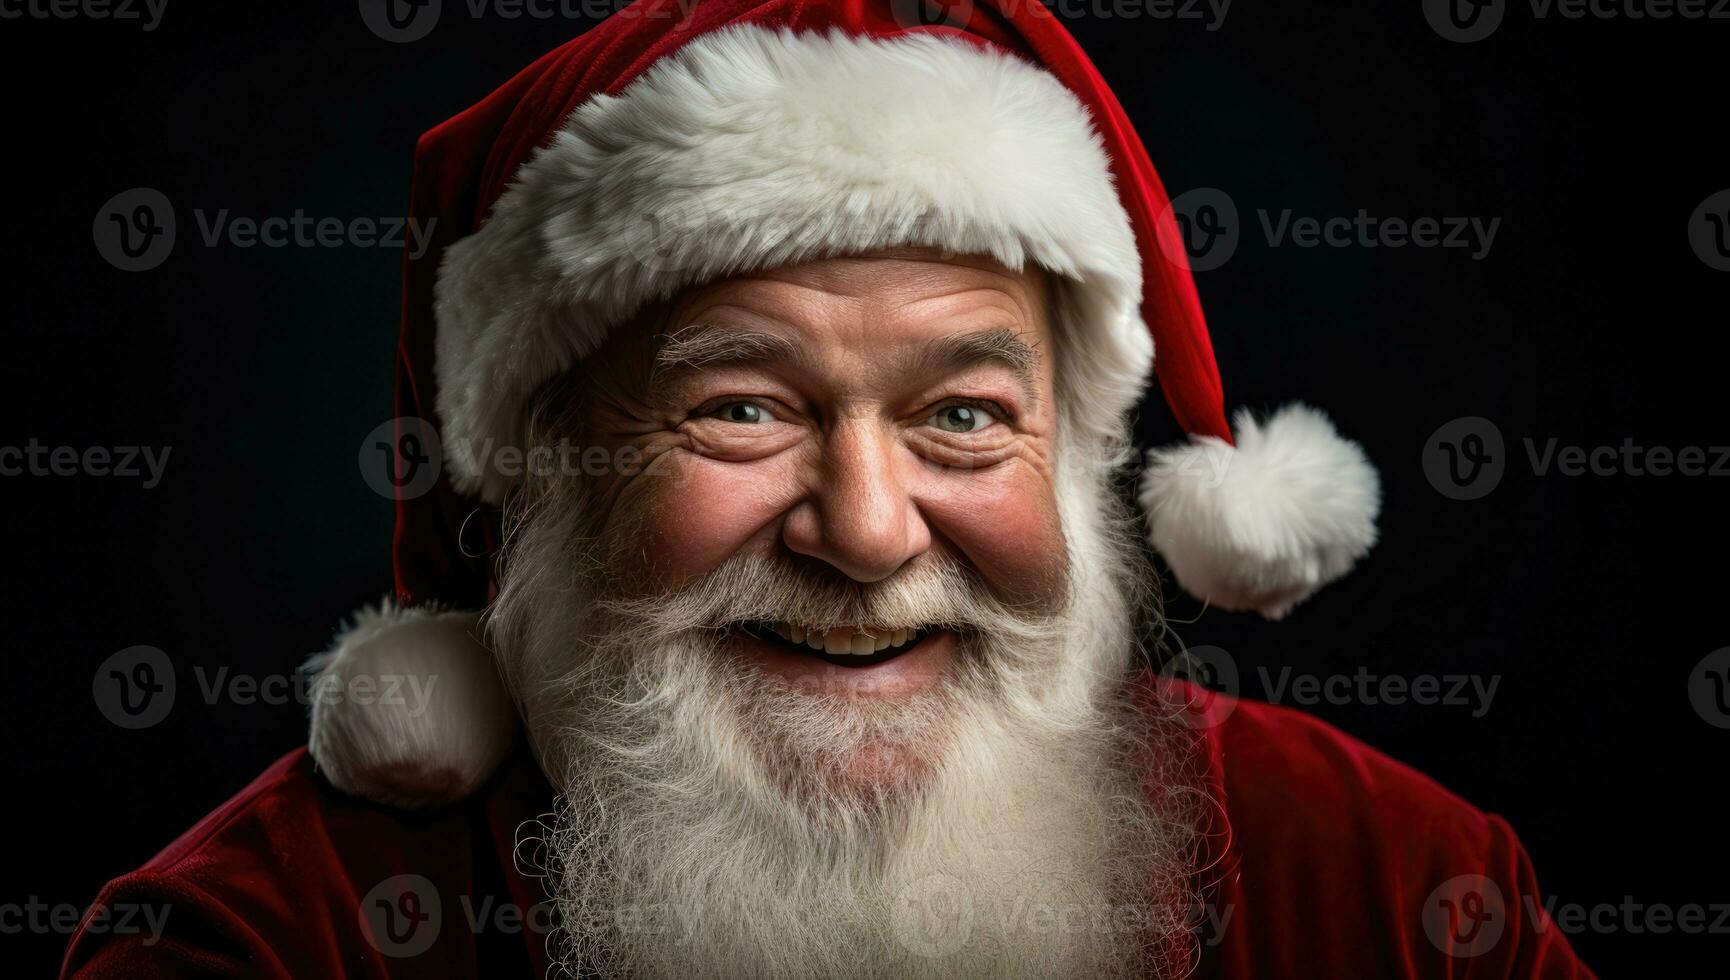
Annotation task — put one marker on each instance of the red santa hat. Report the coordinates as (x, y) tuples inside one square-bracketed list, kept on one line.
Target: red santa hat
[(675, 144)]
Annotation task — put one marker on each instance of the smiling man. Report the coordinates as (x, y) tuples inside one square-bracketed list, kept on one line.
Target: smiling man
[(842, 669)]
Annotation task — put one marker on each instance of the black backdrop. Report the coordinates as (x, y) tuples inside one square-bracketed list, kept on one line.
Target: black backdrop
[(1591, 320)]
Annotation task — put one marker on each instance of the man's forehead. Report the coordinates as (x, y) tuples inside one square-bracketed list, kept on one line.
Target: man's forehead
[(909, 267), (890, 275)]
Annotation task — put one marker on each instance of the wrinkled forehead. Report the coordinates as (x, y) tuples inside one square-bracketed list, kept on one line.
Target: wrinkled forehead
[(872, 302), (922, 285)]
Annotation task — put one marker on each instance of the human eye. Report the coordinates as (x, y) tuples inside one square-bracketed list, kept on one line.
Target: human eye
[(740, 412), (963, 417)]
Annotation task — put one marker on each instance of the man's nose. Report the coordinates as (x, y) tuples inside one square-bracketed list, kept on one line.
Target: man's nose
[(860, 516)]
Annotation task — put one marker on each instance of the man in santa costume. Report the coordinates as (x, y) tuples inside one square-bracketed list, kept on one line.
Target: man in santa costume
[(779, 606)]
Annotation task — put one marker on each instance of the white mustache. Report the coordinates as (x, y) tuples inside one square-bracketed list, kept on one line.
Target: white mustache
[(929, 592)]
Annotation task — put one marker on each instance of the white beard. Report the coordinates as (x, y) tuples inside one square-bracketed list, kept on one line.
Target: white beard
[(713, 820)]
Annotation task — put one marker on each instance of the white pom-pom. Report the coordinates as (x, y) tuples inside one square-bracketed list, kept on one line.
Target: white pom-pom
[(408, 708), (1266, 523)]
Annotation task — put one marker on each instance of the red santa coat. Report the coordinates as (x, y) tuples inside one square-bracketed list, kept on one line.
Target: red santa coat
[(1339, 862)]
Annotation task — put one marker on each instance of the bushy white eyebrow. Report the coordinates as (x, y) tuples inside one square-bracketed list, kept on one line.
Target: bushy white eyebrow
[(702, 345), (1001, 346)]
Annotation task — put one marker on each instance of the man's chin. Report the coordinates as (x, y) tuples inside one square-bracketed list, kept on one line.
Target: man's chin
[(845, 743), (880, 777)]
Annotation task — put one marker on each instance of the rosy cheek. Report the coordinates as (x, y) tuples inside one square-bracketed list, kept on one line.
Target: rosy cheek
[(1005, 522), (700, 512)]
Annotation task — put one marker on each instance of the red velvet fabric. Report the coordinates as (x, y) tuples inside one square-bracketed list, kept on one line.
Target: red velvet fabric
[(1325, 865), (465, 164)]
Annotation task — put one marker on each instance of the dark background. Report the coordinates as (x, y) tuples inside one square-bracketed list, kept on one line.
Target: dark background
[(1590, 321)]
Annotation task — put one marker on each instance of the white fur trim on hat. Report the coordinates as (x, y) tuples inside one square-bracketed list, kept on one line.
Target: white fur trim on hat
[(751, 148), (1263, 525), (408, 709)]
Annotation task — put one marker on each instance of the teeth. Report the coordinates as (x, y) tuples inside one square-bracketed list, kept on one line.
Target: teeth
[(843, 641)]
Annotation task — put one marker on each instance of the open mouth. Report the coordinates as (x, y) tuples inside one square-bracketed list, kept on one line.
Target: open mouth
[(842, 646)]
